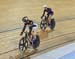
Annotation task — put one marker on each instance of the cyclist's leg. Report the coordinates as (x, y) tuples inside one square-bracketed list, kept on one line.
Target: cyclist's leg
[(30, 29), (35, 29), (30, 33), (49, 17)]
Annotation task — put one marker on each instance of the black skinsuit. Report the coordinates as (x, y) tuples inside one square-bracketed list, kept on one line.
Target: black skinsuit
[(49, 12), (30, 27)]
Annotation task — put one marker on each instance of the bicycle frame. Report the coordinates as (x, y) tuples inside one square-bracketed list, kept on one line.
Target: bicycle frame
[(27, 36)]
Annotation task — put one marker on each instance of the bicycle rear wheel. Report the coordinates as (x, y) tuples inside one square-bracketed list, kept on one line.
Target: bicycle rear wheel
[(36, 42), (52, 24)]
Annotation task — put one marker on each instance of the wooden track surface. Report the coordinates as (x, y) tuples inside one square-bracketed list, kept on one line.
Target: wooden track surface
[(11, 13)]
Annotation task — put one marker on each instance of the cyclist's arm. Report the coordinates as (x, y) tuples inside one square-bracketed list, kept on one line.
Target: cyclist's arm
[(23, 29), (43, 13)]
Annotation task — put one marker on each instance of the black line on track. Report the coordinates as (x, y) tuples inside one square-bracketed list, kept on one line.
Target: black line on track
[(10, 30), (66, 19)]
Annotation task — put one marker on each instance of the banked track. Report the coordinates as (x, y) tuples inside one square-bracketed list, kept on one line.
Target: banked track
[(46, 40)]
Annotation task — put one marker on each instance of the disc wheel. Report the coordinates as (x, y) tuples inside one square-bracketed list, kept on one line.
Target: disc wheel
[(36, 42), (52, 24), (23, 44)]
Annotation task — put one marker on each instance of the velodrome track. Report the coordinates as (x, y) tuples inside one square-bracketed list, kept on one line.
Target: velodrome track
[(11, 25), (10, 44)]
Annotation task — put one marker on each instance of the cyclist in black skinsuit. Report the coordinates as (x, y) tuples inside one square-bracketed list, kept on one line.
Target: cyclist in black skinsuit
[(49, 13), (32, 26), (26, 22)]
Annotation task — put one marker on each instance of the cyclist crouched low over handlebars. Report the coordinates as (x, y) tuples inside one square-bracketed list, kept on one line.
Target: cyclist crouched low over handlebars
[(49, 13), (33, 27)]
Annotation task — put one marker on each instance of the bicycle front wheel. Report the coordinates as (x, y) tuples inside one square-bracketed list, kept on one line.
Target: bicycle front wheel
[(23, 44), (43, 25)]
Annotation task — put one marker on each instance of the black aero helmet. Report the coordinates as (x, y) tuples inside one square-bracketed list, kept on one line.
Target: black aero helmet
[(25, 19)]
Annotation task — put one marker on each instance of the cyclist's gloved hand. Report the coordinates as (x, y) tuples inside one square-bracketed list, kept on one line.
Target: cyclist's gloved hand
[(21, 33)]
